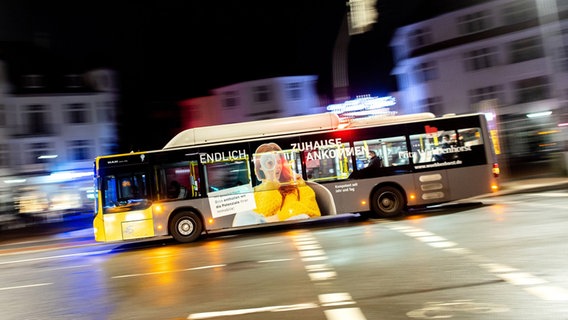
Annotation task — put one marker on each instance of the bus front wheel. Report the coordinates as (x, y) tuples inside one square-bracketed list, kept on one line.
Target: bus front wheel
[(387, 202), (185, 226)]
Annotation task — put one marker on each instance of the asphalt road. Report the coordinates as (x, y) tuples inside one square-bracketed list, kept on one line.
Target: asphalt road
[(499, 257)]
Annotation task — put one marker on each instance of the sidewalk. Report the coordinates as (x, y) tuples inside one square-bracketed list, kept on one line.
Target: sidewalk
[(531, 185)]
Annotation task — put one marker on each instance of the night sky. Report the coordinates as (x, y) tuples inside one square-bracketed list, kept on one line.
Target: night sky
[(169, 50)]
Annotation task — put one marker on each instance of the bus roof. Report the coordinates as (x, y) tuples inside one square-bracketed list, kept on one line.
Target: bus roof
[(279, 126), (254, 129)]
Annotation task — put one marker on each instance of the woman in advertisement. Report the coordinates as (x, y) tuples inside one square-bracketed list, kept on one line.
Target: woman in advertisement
[(282, 194)]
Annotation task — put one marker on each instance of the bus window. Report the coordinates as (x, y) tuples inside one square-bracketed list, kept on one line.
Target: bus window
[(179, 180), (329, 163), (227, 175), (433, 146), (125, 192), (470, 137), (391, 151)]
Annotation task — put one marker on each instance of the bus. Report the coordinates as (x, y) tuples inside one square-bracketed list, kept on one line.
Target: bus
[(286, 170)]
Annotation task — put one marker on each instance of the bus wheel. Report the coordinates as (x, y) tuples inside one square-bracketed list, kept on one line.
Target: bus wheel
[(387, 202), (185, 226)]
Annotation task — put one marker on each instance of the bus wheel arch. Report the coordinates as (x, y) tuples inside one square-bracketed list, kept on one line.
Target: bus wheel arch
[(185, 225), (388, 200)]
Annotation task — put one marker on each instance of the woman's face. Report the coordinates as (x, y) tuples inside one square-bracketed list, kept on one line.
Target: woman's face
[(271, 166)]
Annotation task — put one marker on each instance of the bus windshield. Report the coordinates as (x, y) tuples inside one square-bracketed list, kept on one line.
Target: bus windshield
[(124, 192)]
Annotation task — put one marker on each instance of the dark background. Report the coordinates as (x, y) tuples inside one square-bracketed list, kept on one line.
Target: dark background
[(169, 50)]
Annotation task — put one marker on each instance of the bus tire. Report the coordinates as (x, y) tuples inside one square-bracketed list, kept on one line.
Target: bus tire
[(185, 226), (387, 202)]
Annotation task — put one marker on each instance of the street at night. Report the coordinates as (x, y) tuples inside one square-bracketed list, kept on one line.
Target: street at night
[(490, 258)]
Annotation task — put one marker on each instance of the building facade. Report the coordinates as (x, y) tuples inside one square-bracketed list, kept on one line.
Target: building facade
[(505, 57), (50, 135), (253, 100)]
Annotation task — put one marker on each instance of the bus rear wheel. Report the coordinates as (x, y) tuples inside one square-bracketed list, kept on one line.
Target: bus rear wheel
[(387, 202), (185, 226)]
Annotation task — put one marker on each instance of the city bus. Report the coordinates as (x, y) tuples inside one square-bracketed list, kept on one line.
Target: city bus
[(292, 169)]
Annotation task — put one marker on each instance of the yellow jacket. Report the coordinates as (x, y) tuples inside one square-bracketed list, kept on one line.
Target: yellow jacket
[(292, 200)]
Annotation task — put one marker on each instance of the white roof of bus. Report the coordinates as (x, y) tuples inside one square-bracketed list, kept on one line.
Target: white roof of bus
[(373, 121), (254, 129), (271, 127)]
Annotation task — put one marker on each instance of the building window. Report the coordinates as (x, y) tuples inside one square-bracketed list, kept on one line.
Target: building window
[(526, 49), (519, 11), (261, 94), (33, 81), (426, 71), (294, 90), (40, 152), (77, 113), (420, 37), (79, 150), (2, 115), (4, 155), (230, 99), (105, 112), (532, 89), (485, 93), (480, 59), (563, 58), (37, 119), (474, 22), (73, 81), (433, 105)]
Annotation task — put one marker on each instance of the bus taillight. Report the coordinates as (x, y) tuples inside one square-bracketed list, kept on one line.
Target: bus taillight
[(496, 170)]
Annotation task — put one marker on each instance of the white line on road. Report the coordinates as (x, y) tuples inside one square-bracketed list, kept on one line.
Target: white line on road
[(26, 286), (549, 293), (226, 313), (344, 313), (168, 271), (531, 283), (80, 254), (258, 244)]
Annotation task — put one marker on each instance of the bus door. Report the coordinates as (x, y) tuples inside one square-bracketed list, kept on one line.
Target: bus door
[(126, 203)]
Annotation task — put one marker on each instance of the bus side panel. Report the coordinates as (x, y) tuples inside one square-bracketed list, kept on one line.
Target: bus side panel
[(471, 181), (432, 187), (164, 211), (353, 196)]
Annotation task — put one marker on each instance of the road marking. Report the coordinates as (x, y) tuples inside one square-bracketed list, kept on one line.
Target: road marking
[(549, 194), (274, 260), (258, 244), (326, 300), (168, 271), (68, 267), (71, 255), (310, 250), (27, 286), (227, 313), (549, 293), (520, 278), (322, 276), (305, 247), (344, 313), (531, 283), (311, 253), (335, 299)]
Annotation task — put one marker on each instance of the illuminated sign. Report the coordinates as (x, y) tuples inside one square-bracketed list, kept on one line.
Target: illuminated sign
[(364, 106)]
